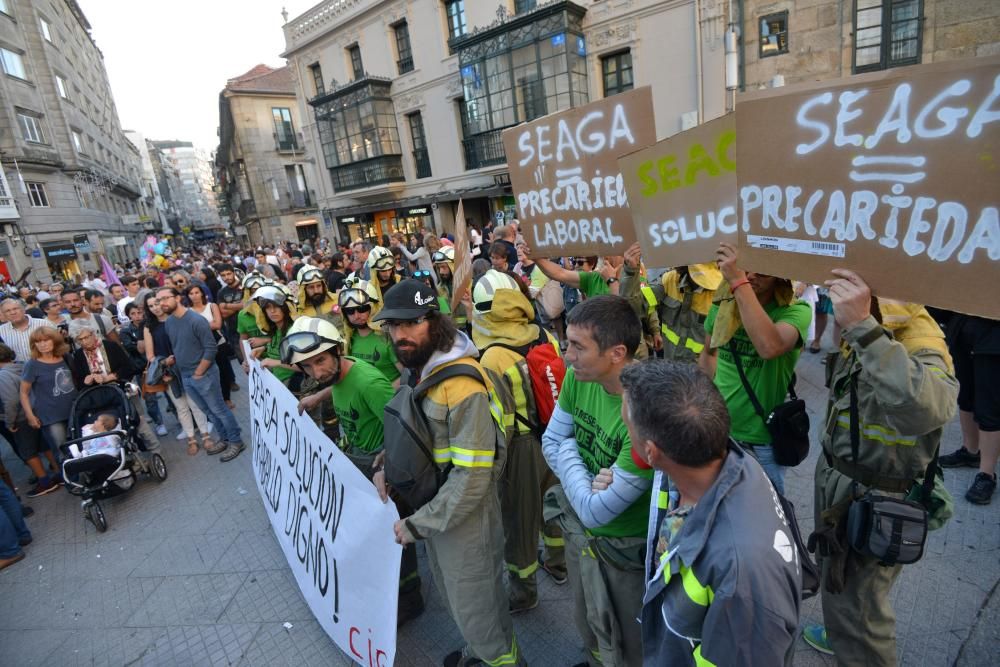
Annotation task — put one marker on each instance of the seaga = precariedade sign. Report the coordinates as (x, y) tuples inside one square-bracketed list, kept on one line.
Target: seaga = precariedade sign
[(564, 171), (895, 175)]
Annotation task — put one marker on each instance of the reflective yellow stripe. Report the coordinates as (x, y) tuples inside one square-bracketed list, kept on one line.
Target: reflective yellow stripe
[(694, 345), (662, 500), (470, 458), (520, 398), (523, 573), (700, 595), (648, 293), (553, 541), (587, 551), (700, 661), (879, 433), (666, 567), (671, 336), (506, 658), (937, 371), (442, 455)]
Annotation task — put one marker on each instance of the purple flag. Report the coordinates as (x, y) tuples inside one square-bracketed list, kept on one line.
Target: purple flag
[(110, 277)]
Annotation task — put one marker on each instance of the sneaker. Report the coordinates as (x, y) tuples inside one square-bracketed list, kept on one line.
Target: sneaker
[(42, 488), (211, 447), (558, 575), (815, 636), (181, 436), (982, 489), (7, 562), (234, 450), (161, 429), (960, 458), (522, 606)]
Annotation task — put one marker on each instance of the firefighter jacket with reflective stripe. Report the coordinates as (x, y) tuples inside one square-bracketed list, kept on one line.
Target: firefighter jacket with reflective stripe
[(682, 308), (906, 394), (728, 588), (467, 424), (642, 300)]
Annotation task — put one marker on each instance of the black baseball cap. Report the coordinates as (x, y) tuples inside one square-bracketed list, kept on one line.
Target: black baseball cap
[(407, 300)]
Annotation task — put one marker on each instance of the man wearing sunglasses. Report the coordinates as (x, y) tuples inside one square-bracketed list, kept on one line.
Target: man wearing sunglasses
[(444, 266), (358, 303), (460, 525), (358, 392)]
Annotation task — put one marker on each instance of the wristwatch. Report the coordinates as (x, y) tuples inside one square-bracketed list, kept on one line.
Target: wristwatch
[(611, 281)]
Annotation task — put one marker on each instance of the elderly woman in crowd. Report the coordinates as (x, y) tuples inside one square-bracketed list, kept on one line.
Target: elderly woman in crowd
[(103, 362)]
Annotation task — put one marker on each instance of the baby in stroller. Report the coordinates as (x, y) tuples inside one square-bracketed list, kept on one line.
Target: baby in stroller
[(110, 444)]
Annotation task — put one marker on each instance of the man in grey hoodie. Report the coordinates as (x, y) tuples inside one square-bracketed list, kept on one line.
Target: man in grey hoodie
[(723, 577)]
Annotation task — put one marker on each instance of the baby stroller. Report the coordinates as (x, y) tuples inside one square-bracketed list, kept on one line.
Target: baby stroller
[(103, 475)]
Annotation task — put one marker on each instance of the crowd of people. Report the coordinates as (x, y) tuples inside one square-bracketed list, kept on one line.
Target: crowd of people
[(624, 430)]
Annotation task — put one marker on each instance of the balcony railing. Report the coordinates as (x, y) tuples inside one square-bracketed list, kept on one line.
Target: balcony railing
[(366, 173), (423, 163), (404, 65), (300, 200), (286, 144), (484, 149)]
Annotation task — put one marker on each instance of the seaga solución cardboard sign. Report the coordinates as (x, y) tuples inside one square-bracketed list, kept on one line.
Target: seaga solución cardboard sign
[(682, 192), (895, 175), (564, 171)]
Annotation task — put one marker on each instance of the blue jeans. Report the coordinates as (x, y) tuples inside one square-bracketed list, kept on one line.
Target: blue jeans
[(55, 435), (207, 395), (765, 457), (153, 409), (12, 526)]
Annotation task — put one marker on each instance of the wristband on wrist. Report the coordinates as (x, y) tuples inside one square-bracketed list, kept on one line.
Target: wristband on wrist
[(738, 283)]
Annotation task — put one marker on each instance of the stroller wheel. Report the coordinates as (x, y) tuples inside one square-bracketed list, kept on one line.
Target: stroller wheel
[(96, 515), (159, 467)]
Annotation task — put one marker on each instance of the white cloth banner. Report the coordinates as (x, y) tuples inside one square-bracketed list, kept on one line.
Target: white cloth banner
[(336, 533)]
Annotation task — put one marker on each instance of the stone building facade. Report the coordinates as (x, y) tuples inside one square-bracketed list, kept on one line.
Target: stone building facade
[(70, 170), (264, 167), (403, 101)]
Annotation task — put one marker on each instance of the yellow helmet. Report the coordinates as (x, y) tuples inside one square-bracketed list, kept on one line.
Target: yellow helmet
[(307, 337), (486, 287), (381, 259), (357, 292), (253, 280), (309, 274)]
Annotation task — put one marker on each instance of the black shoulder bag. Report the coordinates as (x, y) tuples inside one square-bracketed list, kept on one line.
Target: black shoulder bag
[(893, 530), (788, 423)]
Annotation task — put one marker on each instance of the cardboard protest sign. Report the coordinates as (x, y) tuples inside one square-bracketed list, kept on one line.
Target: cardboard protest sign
[(335, 532), (564, 171), (682, 192), (895, 175)]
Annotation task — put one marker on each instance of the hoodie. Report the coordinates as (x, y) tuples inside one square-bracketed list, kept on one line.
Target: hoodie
[(466, 421)]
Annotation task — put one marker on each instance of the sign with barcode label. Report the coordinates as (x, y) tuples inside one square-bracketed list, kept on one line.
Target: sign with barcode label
[(802, 246), (894, 175)]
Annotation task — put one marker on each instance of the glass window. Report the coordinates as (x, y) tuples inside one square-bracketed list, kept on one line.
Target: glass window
[(421, 158), (284, 131), (77, 142), (61, 87), (31, 128), (36, 195), (521, 6), (317, 75), (887, 33), (456, 18), (774, 34), (46, 32), (354, 52), (4, 8), (616, 71), (12, 63), (405, 62)]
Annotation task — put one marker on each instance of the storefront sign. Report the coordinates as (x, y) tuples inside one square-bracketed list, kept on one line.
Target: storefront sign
[(414, 211), (501, 180), (682, 192), (564, 170), (59, 251), (82, 243), (895, 175), (336, 534), (347, 219)]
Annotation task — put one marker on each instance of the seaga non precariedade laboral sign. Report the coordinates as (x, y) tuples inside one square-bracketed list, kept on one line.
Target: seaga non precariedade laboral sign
[(564, 171), (894, 174)]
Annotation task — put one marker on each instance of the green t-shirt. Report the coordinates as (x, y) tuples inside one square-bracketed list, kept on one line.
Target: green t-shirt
[(768, 377), (376, 349), (592, 283), (359, 399), (272, 351), (602, 438), (246, 323)]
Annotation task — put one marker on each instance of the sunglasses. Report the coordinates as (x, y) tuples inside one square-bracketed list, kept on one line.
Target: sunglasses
[(422, 273), (356, 309), (396, 324), (301, 342)]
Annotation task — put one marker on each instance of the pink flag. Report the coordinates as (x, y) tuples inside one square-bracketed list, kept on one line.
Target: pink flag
[(110, 277)]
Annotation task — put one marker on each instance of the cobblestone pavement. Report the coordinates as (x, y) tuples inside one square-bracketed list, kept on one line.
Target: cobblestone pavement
[(189, 573)]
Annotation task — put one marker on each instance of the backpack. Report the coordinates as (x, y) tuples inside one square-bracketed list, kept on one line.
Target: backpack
[(409, 461), (546, 370)]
